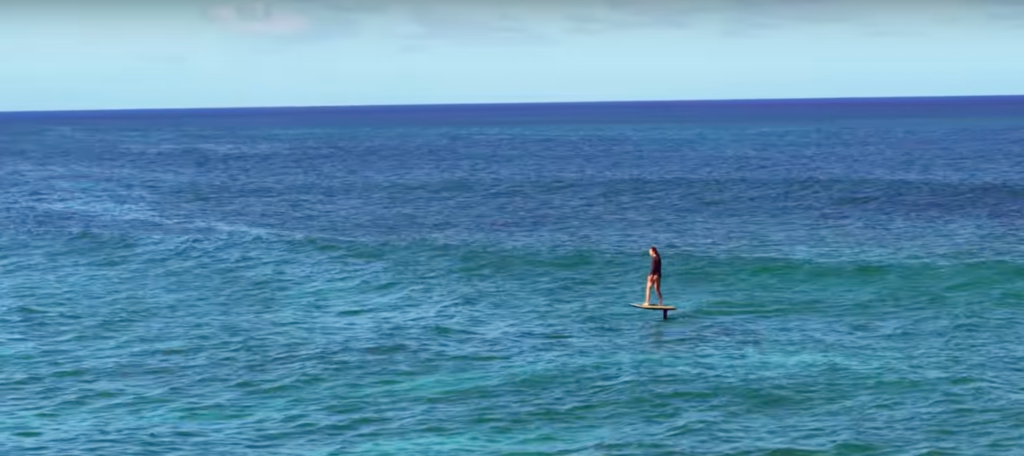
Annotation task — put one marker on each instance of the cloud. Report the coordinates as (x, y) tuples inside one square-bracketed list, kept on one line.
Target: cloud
[(260, 18), (507, 20), (542, 19)]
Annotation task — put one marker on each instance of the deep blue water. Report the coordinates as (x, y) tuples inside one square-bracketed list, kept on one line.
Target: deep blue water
[(382, 281)]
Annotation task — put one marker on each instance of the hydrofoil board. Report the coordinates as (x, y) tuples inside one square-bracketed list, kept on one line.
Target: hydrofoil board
[(664, 309), (653, 307)]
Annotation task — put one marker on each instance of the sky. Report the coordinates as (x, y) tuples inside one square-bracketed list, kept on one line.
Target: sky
[(142, 54)]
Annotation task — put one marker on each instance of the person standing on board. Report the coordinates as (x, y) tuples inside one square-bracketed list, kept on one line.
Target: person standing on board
[(654, 277)]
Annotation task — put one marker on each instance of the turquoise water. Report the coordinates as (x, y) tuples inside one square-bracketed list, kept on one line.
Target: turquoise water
[(232, 285)]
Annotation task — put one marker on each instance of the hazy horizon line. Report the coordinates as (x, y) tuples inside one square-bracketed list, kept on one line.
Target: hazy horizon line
[(715, 101)]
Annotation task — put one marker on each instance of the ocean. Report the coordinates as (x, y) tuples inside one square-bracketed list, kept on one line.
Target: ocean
[(849, 278)]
